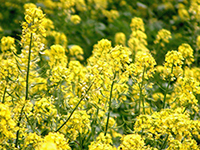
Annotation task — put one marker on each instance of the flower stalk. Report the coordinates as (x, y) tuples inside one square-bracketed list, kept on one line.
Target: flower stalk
[(26, 92), (167, 89), (110, 100)]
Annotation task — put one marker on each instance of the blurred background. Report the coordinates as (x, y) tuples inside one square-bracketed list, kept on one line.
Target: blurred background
[(84, 22)]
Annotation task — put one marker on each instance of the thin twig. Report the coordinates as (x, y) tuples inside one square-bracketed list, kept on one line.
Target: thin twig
[(75, 107)]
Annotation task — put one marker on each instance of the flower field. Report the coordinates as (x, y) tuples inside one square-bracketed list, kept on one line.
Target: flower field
[(100, 75)]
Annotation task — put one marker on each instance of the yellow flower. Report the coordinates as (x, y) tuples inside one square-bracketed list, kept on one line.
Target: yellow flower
[(7, 125), (120, 38), (137, 24), (8, 45), (32, 139), (54, 141), (33, 32), (194, 9), (59, 38), (48, 146), (163, 37), (75, 19), (111, 15), (44, 106), (48, 24), (29, 5), (173, 65), (76, 51), (183, 13), (184, 93), (176, 124), (100, 4), (132, 141), (198, 42), (57, 56), (187, 53), (80, 5), (144, 64), (102, 143), (173, 58)]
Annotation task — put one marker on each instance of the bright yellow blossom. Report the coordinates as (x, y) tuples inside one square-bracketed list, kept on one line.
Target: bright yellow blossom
[(187, 53), (75, 19), (163, 37), (120, 38)]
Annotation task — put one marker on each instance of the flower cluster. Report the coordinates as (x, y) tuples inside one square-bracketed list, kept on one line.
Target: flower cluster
[(170, 124), (120, 38), (187, 53), (184, 93), (173, 65), (53, 141), (8, 45), (7, 126), (137, 41), (163, 37), (132, 141), (77, 52), (102, 142), (51, 97), (75, 19)]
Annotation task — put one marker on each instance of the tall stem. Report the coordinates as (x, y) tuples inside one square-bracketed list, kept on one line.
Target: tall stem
[(165, 96), (141, 100), (26, 93), (166, 91), (165, 142), (28, 67), (109, 109)]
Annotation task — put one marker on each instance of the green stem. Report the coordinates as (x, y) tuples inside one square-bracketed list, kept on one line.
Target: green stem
[(75, 107), (109, 109), (29, 122), (26, 94), (80, 142), (18, 124), (165, 96), (166, 91), (165, 142), (141, 95), (4, 95), (28, 68), (94, 123), (185, 109), (139, 102)]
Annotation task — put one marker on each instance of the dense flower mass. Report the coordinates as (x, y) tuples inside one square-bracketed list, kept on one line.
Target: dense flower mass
[(8, 44), (7, 124), (86, 74)]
